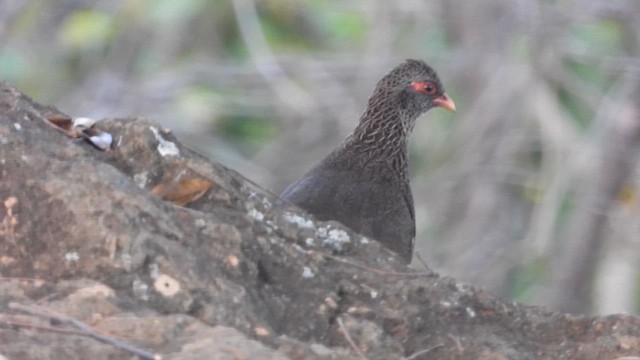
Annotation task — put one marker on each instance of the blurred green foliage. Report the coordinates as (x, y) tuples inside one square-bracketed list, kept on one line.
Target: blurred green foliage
[(292, 26), (79, 37), (86, 30), (526, 279), (250, 133), (598, 39), (85, 35)]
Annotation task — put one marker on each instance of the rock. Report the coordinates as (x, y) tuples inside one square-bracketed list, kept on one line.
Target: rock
[(233, 274)]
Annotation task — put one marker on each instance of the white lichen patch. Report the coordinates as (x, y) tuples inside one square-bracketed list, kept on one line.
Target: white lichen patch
[(17, 126), (200, 223), (374, 294), (165, 148), (270, 225), (166, 285), (72, 256), (463, 289), (470, 312), (126, 260), (364, 240), (335, 238), (309, 241), (141, 179), (140, 289), (322, 350), (307, 273), (262, 199), (298, 220), (256, 215), (154, 271)]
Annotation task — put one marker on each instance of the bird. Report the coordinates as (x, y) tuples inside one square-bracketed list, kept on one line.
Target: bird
[(364, 182)]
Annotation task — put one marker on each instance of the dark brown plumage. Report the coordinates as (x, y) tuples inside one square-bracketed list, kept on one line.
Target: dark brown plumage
[(364, 182)]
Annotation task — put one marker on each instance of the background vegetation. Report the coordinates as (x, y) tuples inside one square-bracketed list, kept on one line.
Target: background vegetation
[(529, 190)]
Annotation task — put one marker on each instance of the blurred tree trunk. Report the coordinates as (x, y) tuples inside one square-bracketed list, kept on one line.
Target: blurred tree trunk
[(572, 272)]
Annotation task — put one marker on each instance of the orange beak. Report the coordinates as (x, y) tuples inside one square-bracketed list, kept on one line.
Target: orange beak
[(444, 101)]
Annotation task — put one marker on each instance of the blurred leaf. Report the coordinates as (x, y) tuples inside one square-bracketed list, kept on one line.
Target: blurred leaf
[(86, 29), (526, 279), (603, 38), (346, 25), (592, 74), (591, 40), (248, 132), (578, 111), (199, 104), (289, 24)]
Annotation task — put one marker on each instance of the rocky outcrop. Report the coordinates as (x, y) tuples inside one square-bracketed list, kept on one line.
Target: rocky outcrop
[(100, 261)]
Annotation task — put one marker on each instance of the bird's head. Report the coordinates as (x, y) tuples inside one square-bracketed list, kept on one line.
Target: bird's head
[(415, 86)]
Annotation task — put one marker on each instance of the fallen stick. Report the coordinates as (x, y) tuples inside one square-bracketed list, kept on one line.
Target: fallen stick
[(82, 329)]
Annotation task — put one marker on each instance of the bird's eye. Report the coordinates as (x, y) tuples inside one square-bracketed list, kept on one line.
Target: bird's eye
[(425, 87), (429, 88)]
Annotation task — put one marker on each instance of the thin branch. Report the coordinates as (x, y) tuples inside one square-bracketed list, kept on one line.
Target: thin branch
[(422, 352), (616, 122), (457, 341), (370, 269), (421, 260), (352, 343), (20, 324), (83, 329), (265, 61)]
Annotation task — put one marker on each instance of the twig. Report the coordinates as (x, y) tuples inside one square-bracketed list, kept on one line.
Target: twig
[(367, 268), (9, 223), (265, 61), (20, 324), (84, 329), (347, 336), (421, 352), (457, 341), (424, 264)]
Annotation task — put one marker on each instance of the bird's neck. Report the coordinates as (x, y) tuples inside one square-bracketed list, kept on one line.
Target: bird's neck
[(380, 141)]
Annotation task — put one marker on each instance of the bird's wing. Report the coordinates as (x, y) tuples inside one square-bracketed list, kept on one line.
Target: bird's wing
[(333, 194), (381, 210)]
